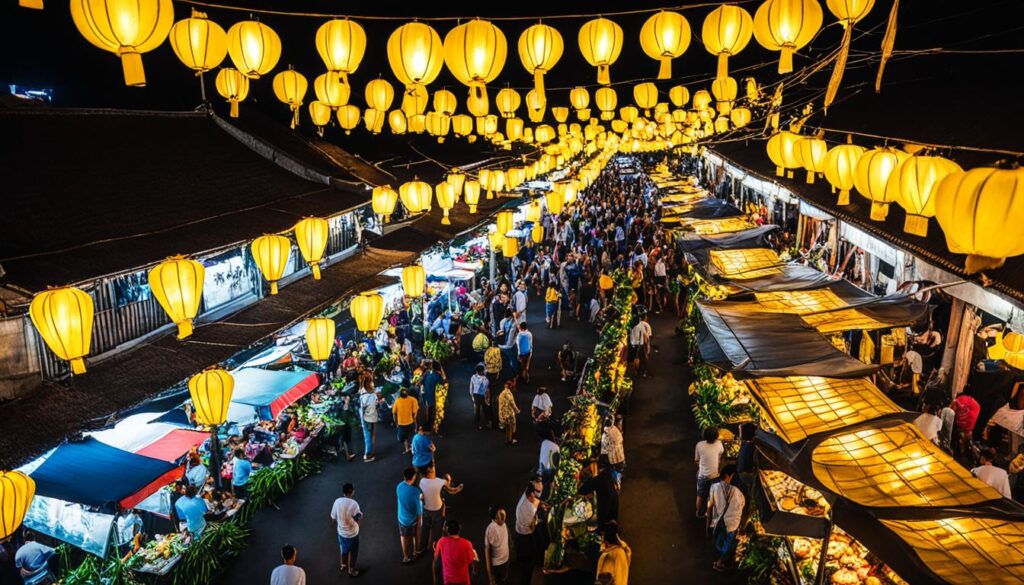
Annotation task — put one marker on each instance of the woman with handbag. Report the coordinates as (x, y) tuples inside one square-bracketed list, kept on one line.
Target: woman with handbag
[(725, 507)]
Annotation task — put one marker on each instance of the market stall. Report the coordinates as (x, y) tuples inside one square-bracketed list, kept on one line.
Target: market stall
[(262, 394)]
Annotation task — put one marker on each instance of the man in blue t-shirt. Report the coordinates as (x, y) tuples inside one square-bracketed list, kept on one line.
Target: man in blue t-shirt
[(524, 347), (410, 513), (193, 510), (422, 449), (240, 472), (429, 382)]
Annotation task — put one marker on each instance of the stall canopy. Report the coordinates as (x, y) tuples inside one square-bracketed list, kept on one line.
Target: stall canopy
[(174, 445), (264, 394), (755, 343), (752, 238), (95, 474), (801, 406), (705, 209), (709, 227), (893, 465), (744, 263)]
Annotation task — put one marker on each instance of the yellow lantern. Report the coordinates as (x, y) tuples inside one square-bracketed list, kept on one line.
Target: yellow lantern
[(553, 199), (438, 125), (786, 25), (721, 124), (514, 128), (471, 190), (679, 95), (415, 100), (540, 48), (374, 120), (330, 90), (505, 221), (416, 54), (462, 125), (198, 42), (561, 113), (379, 94), (1013, 342), (782, 151), (726, 31), (444, 102), (383, 200), (811, 151), (840, 164), (601, 42), (606, 99), (254, 48), (871, 175), (457, 179), (543, 134), (445, 199), (16, 493), (495, 182), (740, 117), (320, 114), (418, 123), (397, 122), (980, 210), (348, 117), (579, 98), (514, 177), (495, 239), (211, 392), (665, 36), (509, 247), (533, 212), (232, 86), (63, 317), (535, 106), (311, 234), (34, 5), (848, 12), (913, 184), (477, 105), (320, 338), (367, 309), (507, 101), (272, 253), (341, 43), (645, 95), (629, 114), (126, 29), (414, 281), (701, 100), (724, 90), (475, 53), (177, 284), (415, 195), (290, 88), (537, 233)]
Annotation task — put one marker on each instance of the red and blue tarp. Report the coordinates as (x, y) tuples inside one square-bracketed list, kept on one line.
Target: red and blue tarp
[(268, 392)]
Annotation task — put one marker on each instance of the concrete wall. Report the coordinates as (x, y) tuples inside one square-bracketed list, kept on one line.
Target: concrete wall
[(19, 362)]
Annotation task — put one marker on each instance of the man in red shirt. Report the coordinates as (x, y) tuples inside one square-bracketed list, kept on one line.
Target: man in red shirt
[(453, 556), (967, 410)]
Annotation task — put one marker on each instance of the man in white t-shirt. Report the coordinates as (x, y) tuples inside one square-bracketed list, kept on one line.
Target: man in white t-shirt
[(929, 424), (288, 573), (519, 301), (496, 551), (347, 514), (640, 345), (708, 457), (992, 475), (542, 404), (526, 524), (368, 401), (433, 502)]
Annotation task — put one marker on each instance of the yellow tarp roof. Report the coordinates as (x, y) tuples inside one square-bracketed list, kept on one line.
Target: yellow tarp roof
[(967, 551), (895, 466), (800, 406), (745, 263), (708, 227), (805, 302)]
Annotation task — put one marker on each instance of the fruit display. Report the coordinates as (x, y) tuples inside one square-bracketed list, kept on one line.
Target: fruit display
[(789, 495), (847, 562), (159, 555)]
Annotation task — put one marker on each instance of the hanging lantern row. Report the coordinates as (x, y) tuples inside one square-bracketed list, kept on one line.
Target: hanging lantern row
[(976, 209)]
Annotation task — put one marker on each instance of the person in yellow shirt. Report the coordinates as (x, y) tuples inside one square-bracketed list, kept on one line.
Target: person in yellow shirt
[(615, 557), (405, 409), (551, 307)]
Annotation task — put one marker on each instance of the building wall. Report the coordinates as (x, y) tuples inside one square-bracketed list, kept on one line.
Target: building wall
[(19, 362)]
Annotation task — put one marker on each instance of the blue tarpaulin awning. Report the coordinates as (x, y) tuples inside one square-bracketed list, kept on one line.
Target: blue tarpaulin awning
[(93, 473), (267, 392)]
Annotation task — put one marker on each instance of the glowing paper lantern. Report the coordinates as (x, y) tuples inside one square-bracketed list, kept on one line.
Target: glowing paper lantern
[(444, 102), (535, 106), (533, 212), (537, 233), (445, 199), (726, 31), (379, 94), (383, 200), (397, 122), (579, 98), (981, 211), (540, 48), (415, 100), (177, 284), (16, 493), (271, 253), (509, 247), (475, 53), (462, 125), (665, 36), (311, 234), (740, 117), (438, 125), (254, 48), (457, 179), (417, 124), (679, 95), (415, 54), (553, 199), (341, 43), (724, 90), (126, 29), (320, 338), (811, 151), (840, 164), (645, 95), (514, 177), (507, 101), (290, 88), (198, 42), (367, 310), (211, 392), (471, 190), (701, 100), (913, 185), (514, 128), (331, 91), (320, 114), (63, 318), (232, 86), (415, 195), (505, 221), (872, 174), (374, 120), (414, 281), (786, 25), (782, 151), (495, 239), (601, 42), (606, 99), (348, 117)]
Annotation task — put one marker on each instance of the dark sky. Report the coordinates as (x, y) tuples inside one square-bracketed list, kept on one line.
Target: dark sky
[(964, 96)]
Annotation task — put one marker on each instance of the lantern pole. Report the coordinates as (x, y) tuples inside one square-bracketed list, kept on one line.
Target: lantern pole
[(215, 457)]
